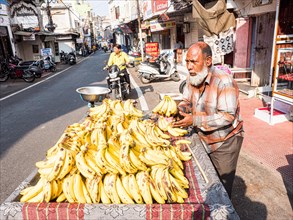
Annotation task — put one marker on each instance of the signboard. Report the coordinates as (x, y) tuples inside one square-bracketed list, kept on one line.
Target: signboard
[(46, 52), (152, 49), (29, 38), (156, 25), (159, 5)]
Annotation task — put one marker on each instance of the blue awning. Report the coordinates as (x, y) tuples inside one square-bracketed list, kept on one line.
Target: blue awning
[(3, 2)]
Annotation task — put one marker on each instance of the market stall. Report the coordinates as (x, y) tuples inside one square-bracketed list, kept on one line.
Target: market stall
[(207, 198)]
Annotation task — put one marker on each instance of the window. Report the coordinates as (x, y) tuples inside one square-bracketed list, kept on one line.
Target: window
[(117, 12), (35, 48), (56, 46)]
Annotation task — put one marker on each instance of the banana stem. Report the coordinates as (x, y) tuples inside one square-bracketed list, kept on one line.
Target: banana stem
[(198, 165)]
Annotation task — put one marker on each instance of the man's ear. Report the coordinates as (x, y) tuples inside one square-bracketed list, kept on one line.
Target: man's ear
[(209, 61)]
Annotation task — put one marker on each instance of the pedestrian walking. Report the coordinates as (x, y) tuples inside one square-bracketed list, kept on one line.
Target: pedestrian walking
[(211, 105)]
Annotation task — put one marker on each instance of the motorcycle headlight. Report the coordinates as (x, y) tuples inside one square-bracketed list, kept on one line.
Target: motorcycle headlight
[(113, 75)]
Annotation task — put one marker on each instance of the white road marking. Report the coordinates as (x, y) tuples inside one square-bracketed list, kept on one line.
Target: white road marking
[(44, 80), (143, 103)]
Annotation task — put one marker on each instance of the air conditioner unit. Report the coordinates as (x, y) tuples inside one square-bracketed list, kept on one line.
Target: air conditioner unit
[(186, 27)]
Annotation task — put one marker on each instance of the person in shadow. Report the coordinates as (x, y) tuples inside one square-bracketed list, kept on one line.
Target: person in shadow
[(244, 206)]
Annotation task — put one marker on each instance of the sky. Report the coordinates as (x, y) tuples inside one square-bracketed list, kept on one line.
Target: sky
[(100, 7)]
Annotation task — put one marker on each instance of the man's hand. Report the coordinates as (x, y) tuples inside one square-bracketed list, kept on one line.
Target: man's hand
[(185, 122)]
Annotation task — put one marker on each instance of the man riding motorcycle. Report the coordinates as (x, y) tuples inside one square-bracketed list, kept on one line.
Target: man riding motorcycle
[(120, 58)]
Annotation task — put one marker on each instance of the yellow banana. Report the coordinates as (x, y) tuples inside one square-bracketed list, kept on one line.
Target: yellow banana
[(125, 183), (58, 164), (177, 187), (104, 197), (182, 141), (38, 198), (83, 167), (49, 163), (176, 132), (161, 133), (125, 160), (61, 198), (122, 193), (134, 189), (66, 187), (171, 195), (91, 161), (158, 107), (47, 189), (67, 165), (155, 192), (86, 194), (35, 190), (158, 178), (114, 161), (143, 185), (78, 189), (136, 161)]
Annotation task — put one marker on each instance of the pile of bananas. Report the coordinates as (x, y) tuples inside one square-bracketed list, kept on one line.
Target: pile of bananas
[(113, 156), (166, 107)]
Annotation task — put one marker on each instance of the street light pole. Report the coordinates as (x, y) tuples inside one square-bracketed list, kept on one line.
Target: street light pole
[(140, 32)]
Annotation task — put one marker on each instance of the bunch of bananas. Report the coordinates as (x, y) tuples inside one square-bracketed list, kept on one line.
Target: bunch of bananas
[(113, 156), (166, 107)]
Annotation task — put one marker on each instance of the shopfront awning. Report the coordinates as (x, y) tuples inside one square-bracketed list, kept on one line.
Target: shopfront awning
[(123, 29), (50, 38), (23, 33)]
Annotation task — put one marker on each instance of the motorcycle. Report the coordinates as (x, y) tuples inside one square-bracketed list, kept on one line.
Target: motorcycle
[(162, 67), (71, 58), (134, 56), (117, 83), (9, 70), (36, 67), (105, 49), (63, 56)]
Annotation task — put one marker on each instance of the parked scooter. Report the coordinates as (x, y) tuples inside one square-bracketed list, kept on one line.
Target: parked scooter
[(116, 80), (162, 67), (49, 64), (9, 70)]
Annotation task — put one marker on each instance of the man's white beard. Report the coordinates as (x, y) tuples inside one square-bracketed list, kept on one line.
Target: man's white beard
[(199, 78)]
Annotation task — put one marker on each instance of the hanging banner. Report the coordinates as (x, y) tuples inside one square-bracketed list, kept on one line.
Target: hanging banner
[(147, 9), (220, 45), (156, 25)]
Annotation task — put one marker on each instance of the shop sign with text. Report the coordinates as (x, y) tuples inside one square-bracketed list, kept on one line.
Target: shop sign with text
[(159, 26), (159, 5), (152, 49)]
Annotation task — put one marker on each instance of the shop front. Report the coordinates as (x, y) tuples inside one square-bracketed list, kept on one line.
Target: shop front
[(6, 46)]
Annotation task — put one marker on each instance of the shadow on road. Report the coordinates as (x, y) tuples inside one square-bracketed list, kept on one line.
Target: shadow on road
[(287, 175), (244, 206)]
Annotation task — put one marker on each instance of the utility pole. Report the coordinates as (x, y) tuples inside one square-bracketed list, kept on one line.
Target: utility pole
[(50, 26), (139, 28)]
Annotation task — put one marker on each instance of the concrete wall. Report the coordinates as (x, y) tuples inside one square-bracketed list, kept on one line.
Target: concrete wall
[(192, 36), (25, 49)]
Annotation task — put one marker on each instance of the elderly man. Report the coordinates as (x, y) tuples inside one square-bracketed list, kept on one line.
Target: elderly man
[(211, 106)]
